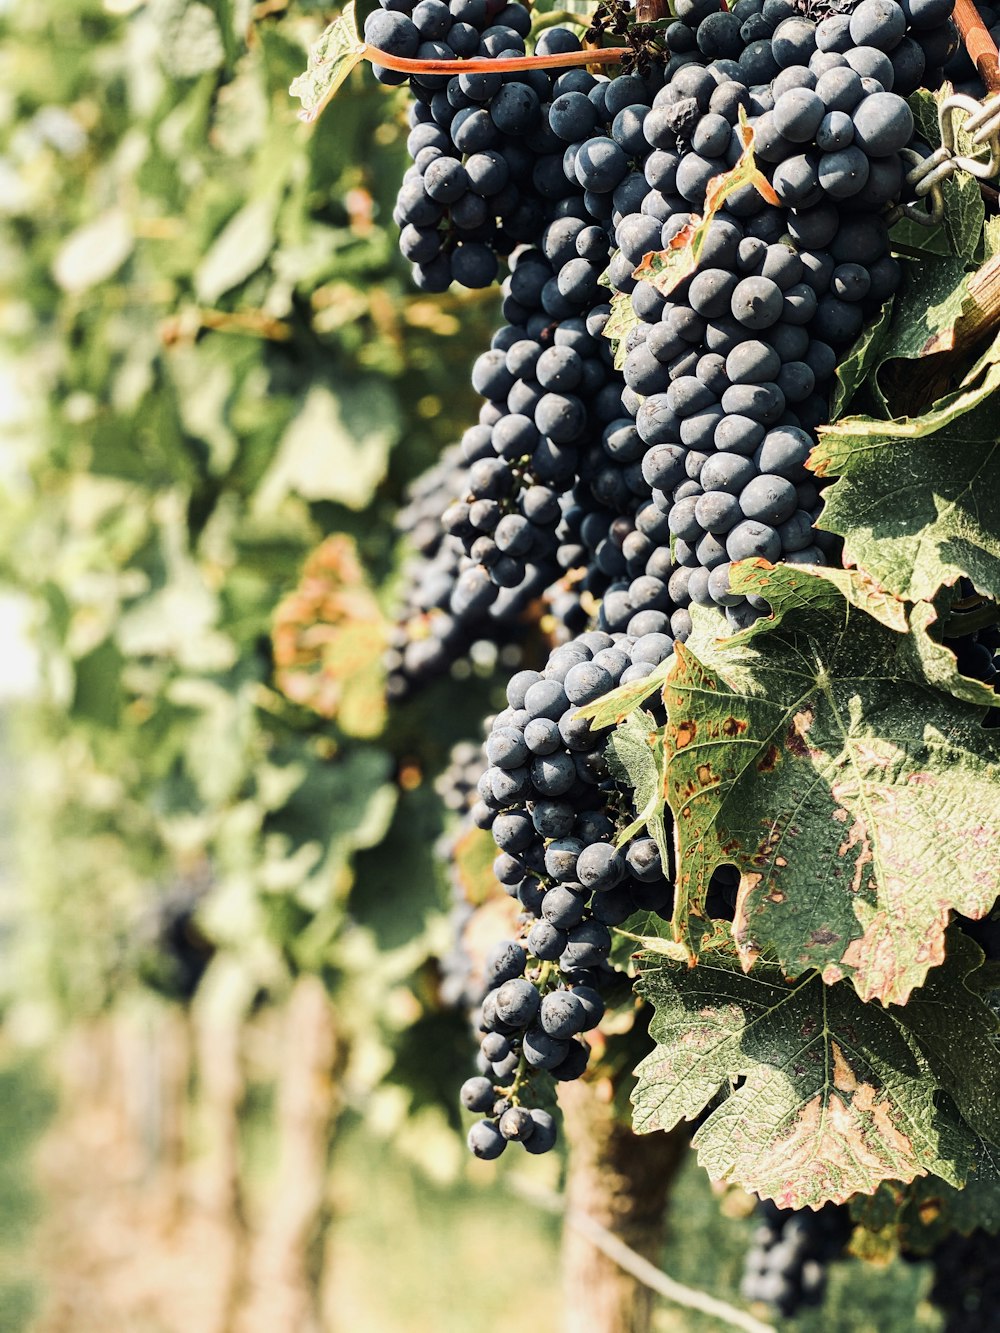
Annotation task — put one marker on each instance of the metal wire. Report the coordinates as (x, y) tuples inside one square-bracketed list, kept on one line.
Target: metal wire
[(957, 115)]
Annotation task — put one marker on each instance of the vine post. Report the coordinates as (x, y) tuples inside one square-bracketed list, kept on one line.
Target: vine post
[(622, 1181)]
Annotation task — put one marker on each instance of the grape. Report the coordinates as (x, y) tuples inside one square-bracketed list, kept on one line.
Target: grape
[(871, 63), (543, 1135), (757, 302), (843, 173), (485, 1140), (883, 123), (393, 33), (601, 165), (562, 1014), (878, 23), (738, 434), (517, 1002), (477, 1094), (562, 908), (797, 114), (753, 539)]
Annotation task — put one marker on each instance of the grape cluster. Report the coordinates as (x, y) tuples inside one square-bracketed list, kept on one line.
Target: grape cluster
[(550, 391), (786, 1264), (733, 367), (442, 620), (485, 166), (173, 952), (554, 807), (457, 788), (623, 497)]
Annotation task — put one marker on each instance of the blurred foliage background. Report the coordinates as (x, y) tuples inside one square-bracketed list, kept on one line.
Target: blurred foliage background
[(220, 918)]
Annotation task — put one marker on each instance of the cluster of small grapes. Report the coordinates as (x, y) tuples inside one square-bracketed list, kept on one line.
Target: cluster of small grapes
[(554, 808), (631, 494), (457, 788), (484, 164), (547, 484), (967, 1283), (441, 618), (786, 1264), (977, 655), (550, 391)]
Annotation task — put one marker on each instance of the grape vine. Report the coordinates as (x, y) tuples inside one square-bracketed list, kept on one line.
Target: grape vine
[(747, 764)]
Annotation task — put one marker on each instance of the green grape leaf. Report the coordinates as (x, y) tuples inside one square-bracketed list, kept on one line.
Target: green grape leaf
[(964, 211), (823, 1096), (620, 323), (938, 663), (615, 706), (336, 447), (638, 754), (932, 299), (855, 366), (811, 753), (332, 57), (924, 106), (190, 42), (94, 252), (238, 251), (916, 500)]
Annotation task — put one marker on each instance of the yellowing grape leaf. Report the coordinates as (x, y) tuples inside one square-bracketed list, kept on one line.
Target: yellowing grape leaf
[(823, 1097), (333, 55), (329, 637), (860, 804)]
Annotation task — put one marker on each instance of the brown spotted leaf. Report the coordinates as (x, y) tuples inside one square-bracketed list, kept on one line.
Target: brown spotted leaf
[(860, 804), (823, 1097)]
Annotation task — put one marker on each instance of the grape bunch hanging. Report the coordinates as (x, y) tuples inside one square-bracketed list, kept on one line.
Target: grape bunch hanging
[(636, 436)]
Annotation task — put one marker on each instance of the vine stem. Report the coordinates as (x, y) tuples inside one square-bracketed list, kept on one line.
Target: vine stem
[(980, 45), (607, 55)]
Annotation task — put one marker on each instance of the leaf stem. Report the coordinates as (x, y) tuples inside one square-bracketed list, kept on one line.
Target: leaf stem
[(960, 623), (608, 55)]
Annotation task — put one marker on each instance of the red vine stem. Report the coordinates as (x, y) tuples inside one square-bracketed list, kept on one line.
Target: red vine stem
[(607, 55), (980, 45)]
